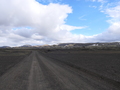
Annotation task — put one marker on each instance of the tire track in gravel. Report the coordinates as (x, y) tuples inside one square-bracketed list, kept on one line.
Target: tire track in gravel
[(16, 78), (37, 80), (75, 79), (39, 72)]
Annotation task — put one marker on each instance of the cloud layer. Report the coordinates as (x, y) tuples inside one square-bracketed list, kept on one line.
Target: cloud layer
[(29, 22), (113, 32)]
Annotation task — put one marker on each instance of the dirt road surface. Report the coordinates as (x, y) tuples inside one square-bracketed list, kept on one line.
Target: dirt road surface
[(38, 72)]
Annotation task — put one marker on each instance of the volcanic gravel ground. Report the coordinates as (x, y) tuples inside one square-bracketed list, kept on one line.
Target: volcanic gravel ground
[(61, 71)]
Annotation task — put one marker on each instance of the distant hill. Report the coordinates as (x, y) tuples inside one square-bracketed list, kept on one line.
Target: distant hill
[(5, 47), (26, 46), (68, 45), (90, 44)]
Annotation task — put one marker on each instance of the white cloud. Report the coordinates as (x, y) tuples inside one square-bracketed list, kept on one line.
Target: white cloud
[(93, 0), (82, 17), (113, 32), (114, 12), (46, 23), (102, 1), (29, 22), (70, 28), (50, 1), (93, 6)]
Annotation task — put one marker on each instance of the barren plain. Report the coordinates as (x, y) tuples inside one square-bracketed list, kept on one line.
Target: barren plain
[(59, 70)]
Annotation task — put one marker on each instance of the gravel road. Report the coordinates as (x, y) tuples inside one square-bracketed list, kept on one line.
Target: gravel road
[(38, 72)]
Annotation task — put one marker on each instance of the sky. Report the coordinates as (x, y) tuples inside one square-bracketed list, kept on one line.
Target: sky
[(40, 22)]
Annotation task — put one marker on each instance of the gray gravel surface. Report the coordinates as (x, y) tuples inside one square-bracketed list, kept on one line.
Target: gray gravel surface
[(38, 72)]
